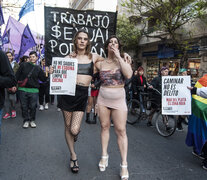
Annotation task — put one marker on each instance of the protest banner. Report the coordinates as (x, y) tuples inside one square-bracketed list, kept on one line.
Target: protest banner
[(63, 79), (62, 23), (176, 98)]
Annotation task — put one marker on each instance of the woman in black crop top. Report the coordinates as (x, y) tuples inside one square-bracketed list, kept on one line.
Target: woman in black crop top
[(73, 107)]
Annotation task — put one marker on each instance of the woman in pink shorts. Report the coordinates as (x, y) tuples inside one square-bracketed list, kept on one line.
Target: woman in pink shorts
[(111, 101)]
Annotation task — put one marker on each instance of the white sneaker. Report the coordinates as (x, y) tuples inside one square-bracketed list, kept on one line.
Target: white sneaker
[(26, 124), (46, 106), (41, 108), (58, 109), (32, 124)]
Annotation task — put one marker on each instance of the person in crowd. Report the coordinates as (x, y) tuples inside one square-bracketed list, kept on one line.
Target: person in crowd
[(10, 97), (44, 90), (139, 84), (73, 107), (7, 80), (157, 84), (24, 59), (197, 124), (21, 60), (92, 100), (181, 119), (29, 91), (111, 101)]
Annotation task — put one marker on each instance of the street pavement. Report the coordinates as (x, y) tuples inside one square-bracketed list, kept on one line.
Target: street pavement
[(42, 154)]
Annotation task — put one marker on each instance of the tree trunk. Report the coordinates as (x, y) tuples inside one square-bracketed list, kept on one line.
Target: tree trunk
[(184, 60)]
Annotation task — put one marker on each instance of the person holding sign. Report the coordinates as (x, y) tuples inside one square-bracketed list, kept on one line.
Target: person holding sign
[(197, 125), (181, 118), (73, 107), (111, 101), (157, 84)]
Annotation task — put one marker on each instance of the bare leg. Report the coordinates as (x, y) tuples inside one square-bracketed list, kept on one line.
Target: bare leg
[(88, 109), (104, 116), (94, 104), (119, 118), (90, 104)]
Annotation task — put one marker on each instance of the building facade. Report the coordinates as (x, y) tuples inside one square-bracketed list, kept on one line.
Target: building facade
[(153, 54)]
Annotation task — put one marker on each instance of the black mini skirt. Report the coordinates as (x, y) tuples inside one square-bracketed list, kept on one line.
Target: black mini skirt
[(74, 103)]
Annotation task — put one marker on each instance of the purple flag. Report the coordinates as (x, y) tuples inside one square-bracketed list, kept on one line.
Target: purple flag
[(16, 31), (26, 42), (5, 37), (1, 17)]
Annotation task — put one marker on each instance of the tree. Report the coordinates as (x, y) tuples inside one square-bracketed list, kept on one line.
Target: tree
[(168, 17), (203, 16), (127, 32)]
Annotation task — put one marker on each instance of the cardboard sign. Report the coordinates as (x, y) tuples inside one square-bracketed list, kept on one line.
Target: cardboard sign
[(176, 97), (61, 24), (63, 79)]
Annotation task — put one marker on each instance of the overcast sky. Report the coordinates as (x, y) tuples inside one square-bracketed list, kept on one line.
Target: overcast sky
[(35, 19)]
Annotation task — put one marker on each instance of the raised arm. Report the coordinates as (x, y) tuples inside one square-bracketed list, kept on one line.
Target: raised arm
[(125, 65), (97, 60)]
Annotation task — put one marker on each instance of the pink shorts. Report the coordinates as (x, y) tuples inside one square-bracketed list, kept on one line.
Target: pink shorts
[(94, 93), (112, 98)]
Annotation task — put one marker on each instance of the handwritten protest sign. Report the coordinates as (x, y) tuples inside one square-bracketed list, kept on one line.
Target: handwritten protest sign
[(176, 98), (61, 24), (63, 79)]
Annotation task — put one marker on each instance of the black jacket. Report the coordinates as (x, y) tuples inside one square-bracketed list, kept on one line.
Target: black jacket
[(157, 84), (37, 74), (7, 78), (136, 83)]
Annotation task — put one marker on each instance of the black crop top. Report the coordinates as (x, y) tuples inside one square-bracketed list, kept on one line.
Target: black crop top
[(86, 69)]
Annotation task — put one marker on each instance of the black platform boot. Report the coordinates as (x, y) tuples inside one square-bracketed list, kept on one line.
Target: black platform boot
[(94, 119), (88, 118)]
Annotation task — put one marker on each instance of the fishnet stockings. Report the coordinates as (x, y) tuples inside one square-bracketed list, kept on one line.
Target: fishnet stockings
[(73, 122)]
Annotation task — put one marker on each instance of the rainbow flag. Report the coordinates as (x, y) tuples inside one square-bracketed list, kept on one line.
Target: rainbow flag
[(197, 125)]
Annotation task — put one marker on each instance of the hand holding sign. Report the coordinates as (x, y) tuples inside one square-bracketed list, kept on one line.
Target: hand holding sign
[(63, 76), (51, 69), (175, 99)]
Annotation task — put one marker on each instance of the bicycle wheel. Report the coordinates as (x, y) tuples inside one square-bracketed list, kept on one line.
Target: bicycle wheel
[(165, 125), (133, 111)]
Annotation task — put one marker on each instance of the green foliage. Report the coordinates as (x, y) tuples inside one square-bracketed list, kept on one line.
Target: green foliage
[(202, 5), (127, 32), (168, 16)]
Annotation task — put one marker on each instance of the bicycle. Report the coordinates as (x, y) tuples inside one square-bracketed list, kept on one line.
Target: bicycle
[(165, 124)]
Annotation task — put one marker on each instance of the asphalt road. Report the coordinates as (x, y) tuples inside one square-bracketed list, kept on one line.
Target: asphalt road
[(42, 154)]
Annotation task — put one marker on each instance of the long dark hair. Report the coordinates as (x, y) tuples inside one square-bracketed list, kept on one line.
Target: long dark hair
[(107, 43), (88, 47)]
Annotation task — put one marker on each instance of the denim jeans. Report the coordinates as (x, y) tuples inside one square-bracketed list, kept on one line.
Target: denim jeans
[(29, 105), (0, 123)]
